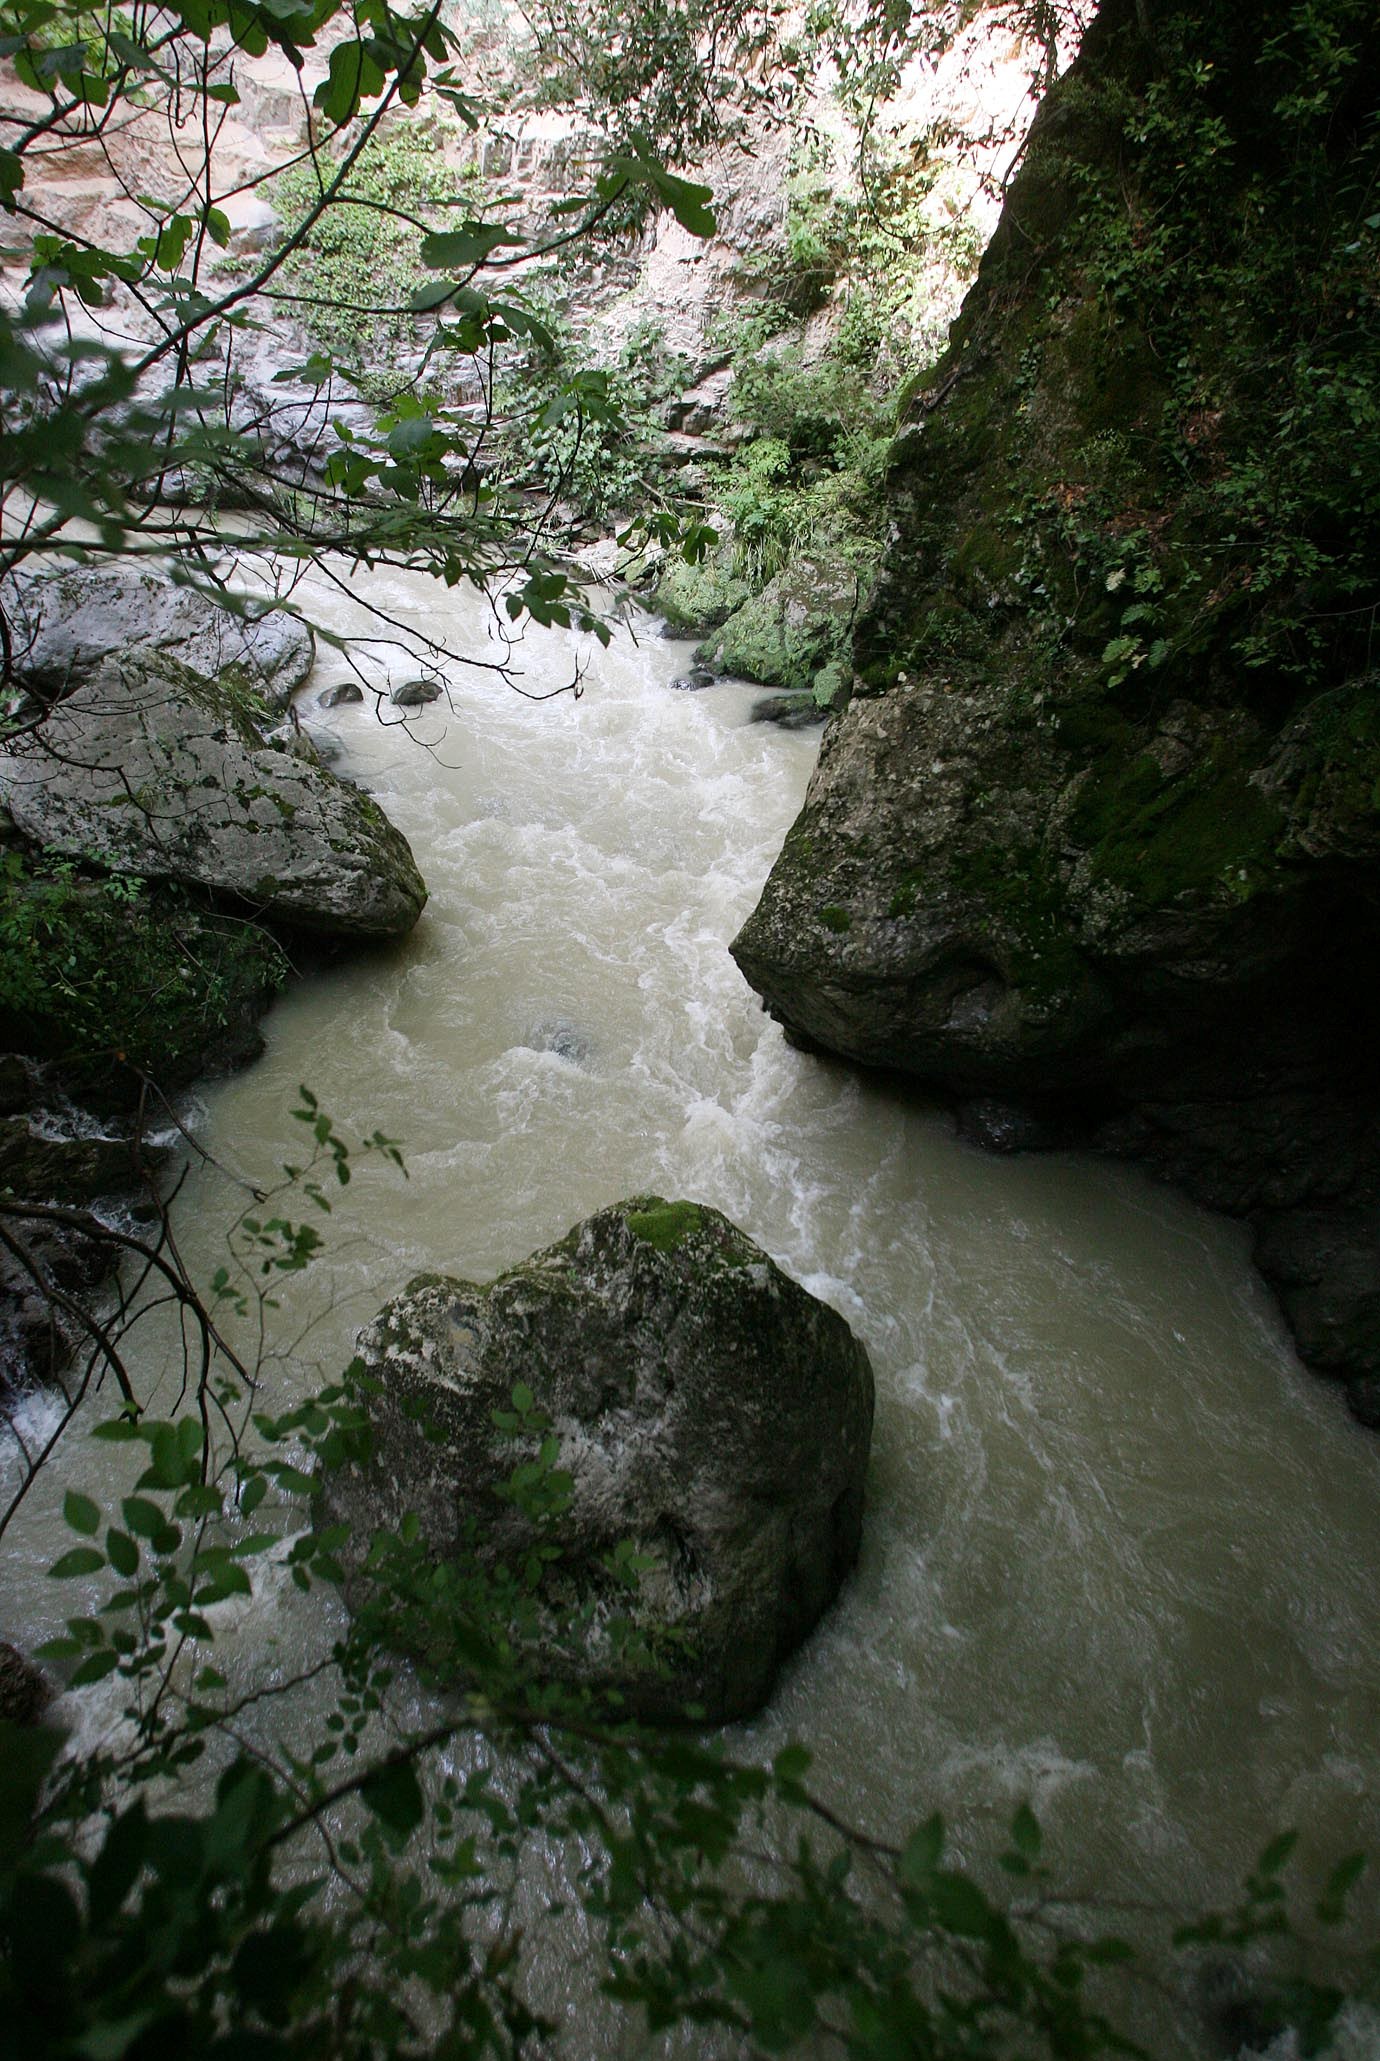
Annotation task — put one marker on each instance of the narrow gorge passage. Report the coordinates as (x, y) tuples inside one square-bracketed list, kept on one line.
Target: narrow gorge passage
[(1117, 1550)]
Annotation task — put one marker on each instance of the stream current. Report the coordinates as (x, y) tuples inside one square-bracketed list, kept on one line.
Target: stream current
[(1119, 1548)]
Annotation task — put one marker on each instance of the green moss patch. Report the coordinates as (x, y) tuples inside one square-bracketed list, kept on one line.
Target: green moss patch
[(665, 1225), (1161, 838)]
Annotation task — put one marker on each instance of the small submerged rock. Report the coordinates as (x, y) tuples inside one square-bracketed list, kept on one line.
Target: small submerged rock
[(566, 1039), (415, 693), (693, 682), (1005, 1126), (787, 711), (709, 1411), (338, 696)]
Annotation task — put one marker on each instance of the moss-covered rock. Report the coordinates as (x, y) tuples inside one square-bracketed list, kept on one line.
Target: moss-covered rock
[(707, 1411), (1103, 814), (696, 599), (153, 770), (800, 622), (109, 981)]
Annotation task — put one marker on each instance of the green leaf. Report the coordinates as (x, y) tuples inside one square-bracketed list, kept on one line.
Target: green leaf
[(144, 1518), (116, 1430), (960, 1907), (95, 1668), (1331, 1905), (923, 1851), (26, 1754), (124, 1554), (1025, 1833), (354, 75), (11, 178), (688, 202), (81, 1560), (1106, 1953), (463, 249), (1276, 1854), (792, 1764), (394, 1795), (81, 1513)]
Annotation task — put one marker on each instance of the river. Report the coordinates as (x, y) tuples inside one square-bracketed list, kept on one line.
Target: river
[(1119, 1552)]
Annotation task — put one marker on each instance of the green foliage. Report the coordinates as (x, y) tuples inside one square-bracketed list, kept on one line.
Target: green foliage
[(810, 475), (94, 968), (381, 242), (1255, 410), (361, 263), (591, 434)]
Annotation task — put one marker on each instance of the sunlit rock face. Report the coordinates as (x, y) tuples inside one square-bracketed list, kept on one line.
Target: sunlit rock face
[(153, 770), (66, 625)]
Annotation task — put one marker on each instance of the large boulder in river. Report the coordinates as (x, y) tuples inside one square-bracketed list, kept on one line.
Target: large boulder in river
[(152, 770), (1099, 832), (708, 1410), (801, 621), (67, 624)]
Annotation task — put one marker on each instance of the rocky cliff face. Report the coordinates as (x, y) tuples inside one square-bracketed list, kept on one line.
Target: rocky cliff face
[(1099, 834)]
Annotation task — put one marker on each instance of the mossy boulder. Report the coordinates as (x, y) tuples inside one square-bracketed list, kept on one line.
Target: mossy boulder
[(152, 770), (67, 624), (694, 599), (154, 983), (799, 623), (1099, 830), (707, 1409)]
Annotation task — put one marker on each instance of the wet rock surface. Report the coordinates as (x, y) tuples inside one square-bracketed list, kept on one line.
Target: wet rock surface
[(707, 1409), (153, 770), (416, 693), (787, 711), (66, 625)]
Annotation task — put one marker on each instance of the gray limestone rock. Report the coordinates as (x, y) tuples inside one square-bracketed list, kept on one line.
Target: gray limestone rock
[(707, 1408), (415, 693), (74, 621), (151, 770)]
